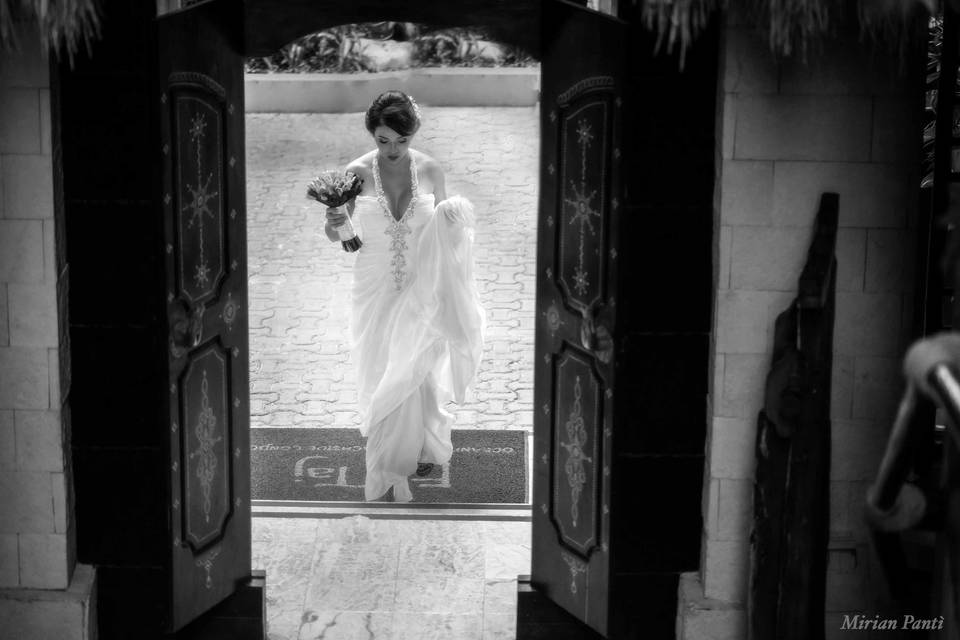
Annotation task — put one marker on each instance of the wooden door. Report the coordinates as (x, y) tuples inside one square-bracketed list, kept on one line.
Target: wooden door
[(582, 85), (202, 198)]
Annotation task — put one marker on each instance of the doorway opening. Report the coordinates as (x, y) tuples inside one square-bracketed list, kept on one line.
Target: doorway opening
[(450, 559), (172, 330)]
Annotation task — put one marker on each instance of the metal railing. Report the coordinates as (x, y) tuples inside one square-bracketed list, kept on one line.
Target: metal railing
[(893, 504), (931, 368)]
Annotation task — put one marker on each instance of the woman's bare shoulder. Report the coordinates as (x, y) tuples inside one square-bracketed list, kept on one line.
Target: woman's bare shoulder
[(363, 167), (431, 175), (429, 167), (427, 162)]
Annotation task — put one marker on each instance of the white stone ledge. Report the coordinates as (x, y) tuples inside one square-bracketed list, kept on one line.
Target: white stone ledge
[(353, 92), (702, 618), (41, 614)]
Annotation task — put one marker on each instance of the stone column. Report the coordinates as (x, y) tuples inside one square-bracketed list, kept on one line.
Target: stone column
[(43, 592)]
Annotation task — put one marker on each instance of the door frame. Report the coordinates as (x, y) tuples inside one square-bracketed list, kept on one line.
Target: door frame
[(269, 21)]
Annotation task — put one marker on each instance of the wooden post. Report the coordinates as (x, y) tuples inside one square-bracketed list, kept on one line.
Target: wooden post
[(791, 509)]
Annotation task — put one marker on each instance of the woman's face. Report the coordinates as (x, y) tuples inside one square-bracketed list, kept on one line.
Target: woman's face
[(392, 146)]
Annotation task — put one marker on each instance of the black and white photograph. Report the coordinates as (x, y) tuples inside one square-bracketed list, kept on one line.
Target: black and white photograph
[(479, 319)]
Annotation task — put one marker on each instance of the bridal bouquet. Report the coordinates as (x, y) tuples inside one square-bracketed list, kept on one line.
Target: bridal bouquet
[(335, 189)]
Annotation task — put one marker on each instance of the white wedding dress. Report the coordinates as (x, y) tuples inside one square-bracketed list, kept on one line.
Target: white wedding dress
[(417, 328)]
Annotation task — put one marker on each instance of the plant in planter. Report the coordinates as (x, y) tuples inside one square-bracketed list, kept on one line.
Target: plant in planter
[(467, 48), (328, 51), (380, 46)]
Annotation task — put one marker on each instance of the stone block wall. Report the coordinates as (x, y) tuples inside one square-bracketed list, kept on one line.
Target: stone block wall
[(845, 121), (33, 535), (40, 596)]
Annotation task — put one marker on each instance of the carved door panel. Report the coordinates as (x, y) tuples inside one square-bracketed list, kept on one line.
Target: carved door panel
[(202, 199), (580, 194)]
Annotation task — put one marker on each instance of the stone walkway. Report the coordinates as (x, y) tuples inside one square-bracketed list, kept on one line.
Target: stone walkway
[(378, 579), (301, 374)]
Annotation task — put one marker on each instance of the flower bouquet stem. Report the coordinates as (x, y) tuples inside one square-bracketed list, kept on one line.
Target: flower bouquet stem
[(348, 236)]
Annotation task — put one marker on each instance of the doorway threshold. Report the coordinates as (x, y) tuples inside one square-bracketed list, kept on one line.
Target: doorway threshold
[(388, 510)]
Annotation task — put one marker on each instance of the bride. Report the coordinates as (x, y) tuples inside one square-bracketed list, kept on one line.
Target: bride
[(417, 324)]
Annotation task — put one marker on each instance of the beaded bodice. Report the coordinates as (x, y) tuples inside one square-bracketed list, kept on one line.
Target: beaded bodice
[(395, 240), (382, 197)]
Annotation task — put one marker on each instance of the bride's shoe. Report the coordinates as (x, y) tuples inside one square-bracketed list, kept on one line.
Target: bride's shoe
[(386, 497), (424, 469)]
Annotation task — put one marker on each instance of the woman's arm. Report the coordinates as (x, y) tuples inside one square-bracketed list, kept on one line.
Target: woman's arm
[(435, 175), (334, 218), (360, 169)]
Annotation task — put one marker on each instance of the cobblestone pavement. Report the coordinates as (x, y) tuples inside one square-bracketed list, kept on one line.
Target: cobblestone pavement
[(301, 374)]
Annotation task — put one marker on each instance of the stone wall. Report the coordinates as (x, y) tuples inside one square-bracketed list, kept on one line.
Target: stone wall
[(40, 593), (352, 92), (846, 121)]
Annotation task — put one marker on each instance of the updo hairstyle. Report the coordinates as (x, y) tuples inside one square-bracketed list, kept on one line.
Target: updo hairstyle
[(393, 109)]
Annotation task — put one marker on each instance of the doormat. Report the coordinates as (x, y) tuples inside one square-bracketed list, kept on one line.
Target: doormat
[(319, 464)]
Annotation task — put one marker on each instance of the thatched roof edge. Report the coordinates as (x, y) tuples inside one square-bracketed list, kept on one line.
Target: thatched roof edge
[(63, 25), (790, 26)]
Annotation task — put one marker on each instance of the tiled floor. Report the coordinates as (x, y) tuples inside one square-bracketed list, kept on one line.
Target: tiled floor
[(359, 578)]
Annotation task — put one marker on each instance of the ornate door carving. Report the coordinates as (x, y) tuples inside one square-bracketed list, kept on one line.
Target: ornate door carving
[(202, 200), (581, 104)]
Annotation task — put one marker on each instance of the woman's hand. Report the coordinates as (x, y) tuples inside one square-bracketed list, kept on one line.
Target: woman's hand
[(336, 216)]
